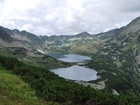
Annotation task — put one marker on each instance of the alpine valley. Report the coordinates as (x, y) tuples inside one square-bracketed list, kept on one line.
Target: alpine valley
[(115, 56)]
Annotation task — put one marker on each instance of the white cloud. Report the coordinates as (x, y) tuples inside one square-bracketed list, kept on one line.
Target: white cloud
[(45, 17)]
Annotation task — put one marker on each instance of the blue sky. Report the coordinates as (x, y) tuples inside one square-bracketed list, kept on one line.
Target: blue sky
[(49, 17)]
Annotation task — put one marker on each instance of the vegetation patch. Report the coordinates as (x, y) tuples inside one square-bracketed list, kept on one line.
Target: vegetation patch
[(14, 91)]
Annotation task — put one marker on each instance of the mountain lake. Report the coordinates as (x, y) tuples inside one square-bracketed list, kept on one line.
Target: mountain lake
[(74, 72)]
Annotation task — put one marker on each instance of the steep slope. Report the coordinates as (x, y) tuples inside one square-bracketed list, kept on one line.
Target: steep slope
[(109, 34), (127, 43), (24, 48), (6, 40), (5, 36), (26, 38), (122, 53), (131, 31)]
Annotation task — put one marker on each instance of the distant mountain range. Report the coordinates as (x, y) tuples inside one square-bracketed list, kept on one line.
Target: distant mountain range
[(45, 43)]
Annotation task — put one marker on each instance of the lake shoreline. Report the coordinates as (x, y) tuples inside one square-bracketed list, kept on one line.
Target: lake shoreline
[(77, 71)]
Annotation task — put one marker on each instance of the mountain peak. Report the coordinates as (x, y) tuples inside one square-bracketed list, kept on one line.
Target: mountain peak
[(83, 34), (134, 25), (4, 35), (86, 33), (136, 21)]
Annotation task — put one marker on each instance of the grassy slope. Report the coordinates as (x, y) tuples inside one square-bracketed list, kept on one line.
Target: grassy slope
[(88, 47), (14, 91)]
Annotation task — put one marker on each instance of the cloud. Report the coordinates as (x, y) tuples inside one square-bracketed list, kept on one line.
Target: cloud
[(128, 6), (48, 17)]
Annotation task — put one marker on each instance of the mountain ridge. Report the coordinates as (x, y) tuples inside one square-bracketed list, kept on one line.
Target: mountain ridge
[(124, 52)]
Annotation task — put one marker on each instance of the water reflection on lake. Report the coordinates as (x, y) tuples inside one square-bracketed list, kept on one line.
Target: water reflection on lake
[(76, 73), (71, 57)]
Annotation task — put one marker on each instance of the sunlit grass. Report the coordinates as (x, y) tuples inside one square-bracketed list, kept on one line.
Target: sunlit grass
[(14, 91)]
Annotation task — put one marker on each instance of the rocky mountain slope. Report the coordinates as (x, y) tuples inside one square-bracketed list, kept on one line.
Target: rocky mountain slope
[(122, 53), (109, 34), (5, 36), (23, 45), (57, 44), (128, 43)]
